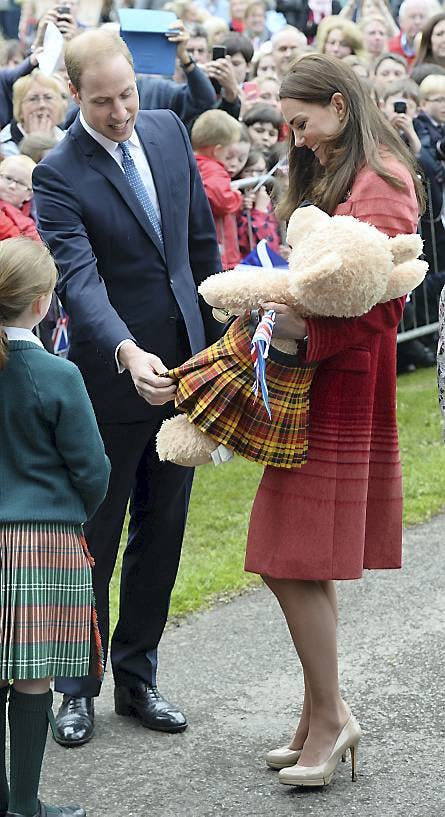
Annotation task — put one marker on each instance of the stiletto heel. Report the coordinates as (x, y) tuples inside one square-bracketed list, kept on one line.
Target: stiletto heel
[(353, 761), (322, 774)]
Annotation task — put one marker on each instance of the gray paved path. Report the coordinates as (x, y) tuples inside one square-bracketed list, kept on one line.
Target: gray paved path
[(234, 672)]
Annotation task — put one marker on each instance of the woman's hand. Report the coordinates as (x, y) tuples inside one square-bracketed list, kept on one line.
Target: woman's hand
[(288, 325), (40, 122)]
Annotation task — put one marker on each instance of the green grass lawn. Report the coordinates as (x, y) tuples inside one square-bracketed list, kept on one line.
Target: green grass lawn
[(213, 554)]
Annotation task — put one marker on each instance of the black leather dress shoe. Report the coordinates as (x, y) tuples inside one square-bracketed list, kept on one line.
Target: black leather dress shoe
[(75, 721), (146, 703), (64, 811)]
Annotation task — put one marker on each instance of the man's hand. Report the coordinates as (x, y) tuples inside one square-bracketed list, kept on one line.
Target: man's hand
[(224, 72), (66, 24), (288, 324), (145, 369), (180, 39)]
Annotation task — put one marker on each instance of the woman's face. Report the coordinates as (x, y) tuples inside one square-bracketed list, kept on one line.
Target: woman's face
[(438, 40), (40, 102), (335, 44), (375, 38), (314, 126), (238, 9), (389, 71)]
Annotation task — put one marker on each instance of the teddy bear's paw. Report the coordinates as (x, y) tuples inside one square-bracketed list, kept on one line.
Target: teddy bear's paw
[(405, 247), (244, 288), (404, 278), (179, 441)]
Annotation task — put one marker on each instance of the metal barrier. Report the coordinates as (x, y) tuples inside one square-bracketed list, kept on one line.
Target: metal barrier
[(422, 318)]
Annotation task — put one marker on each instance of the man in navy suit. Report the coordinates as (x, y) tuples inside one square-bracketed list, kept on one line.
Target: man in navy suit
[(121, 205)]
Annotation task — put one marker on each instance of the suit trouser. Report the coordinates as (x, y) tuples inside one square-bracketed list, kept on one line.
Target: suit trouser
[(159, 493)]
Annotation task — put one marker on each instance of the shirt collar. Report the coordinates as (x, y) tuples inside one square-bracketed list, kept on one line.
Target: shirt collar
[(20, 333), (108, 144)]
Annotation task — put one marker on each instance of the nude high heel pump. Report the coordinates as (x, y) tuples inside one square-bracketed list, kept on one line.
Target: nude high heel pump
[(281, 758), (322, 774)]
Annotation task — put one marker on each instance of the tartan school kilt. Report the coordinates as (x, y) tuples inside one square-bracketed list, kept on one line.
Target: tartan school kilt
[(215, 391), (48, 622)]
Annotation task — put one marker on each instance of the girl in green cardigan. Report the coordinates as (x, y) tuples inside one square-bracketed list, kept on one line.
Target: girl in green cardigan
[(53, 476)]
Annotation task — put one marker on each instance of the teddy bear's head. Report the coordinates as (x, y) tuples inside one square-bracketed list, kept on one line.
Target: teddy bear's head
[(338, 266), (342, 267)]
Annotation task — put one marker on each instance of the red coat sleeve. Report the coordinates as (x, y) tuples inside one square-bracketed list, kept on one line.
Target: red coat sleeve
[(392, 211)]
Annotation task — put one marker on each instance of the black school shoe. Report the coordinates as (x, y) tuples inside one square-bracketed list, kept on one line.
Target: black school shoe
[(146, 704), (64, 811), (75, 721)]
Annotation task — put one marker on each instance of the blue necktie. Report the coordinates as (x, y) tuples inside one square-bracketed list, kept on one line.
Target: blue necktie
[(139, 188)]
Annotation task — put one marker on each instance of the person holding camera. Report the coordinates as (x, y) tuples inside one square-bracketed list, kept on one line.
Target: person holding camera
[(400, 104)]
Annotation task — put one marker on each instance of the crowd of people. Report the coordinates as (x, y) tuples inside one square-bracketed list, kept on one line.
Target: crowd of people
[(142, 186)]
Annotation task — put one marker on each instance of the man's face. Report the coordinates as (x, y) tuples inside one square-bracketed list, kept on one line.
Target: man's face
[(285, 49), (108, 97), (198, 49), (413, 18)]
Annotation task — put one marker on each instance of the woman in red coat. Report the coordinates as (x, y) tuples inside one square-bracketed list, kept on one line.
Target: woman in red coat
[(341, 512)]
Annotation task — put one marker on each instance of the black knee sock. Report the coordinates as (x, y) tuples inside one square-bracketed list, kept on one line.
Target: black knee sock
[(4, 790), (28, 727)]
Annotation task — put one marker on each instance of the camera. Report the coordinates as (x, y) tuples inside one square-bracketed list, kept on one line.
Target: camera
[(218, 53), (400, 106), (63, 10)]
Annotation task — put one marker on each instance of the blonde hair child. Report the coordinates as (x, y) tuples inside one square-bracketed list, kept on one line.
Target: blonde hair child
[(53, 476)]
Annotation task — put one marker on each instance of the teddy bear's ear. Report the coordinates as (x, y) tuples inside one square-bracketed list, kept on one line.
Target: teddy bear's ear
[(404, 278), (405, 247), (302, 221)]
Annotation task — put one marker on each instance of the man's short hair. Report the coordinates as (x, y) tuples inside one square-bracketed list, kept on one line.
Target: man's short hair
[(238, 44), (91, 48), (198, 30), (215, 128)]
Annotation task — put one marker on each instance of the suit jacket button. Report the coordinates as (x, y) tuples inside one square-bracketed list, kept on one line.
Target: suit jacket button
[(171, 282)]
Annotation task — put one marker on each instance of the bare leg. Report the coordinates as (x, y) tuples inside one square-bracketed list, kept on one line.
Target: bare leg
[(310, 611), (38, 687)]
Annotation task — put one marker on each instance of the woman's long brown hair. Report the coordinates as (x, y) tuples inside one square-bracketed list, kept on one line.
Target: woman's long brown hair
[(365, 134)]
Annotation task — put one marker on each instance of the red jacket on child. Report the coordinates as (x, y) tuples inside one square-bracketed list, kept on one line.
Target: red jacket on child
[(14, 222), (224, 203)]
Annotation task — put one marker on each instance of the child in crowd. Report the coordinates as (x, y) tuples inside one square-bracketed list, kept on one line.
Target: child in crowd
[(389, 68), (393, 98), (237, 154), (213, 135), (53, 476), (37, 145), (15, 198), (257, 219), (263, 123)]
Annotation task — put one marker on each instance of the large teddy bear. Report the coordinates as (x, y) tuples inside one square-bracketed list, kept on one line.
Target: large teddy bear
[(338, 267)]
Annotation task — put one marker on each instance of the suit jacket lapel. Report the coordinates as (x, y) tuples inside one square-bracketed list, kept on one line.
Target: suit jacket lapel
[(101, 161)]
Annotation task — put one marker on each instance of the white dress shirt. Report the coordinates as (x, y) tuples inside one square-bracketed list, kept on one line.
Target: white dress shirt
[(140, 160), (137, 154)]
